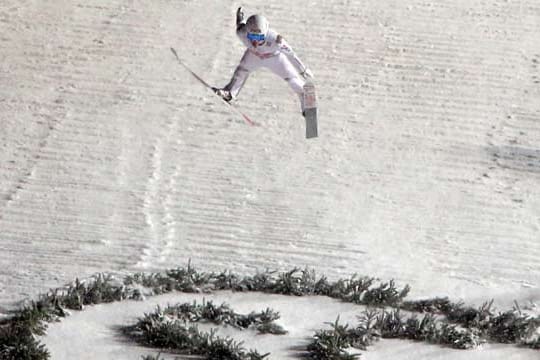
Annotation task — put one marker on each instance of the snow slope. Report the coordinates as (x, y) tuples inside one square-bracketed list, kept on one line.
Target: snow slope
[(427, 169)]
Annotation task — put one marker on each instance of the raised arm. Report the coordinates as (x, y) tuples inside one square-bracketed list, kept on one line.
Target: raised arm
[(240, 21)]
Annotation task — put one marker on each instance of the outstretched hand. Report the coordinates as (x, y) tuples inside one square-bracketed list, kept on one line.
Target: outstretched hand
[(307, 74), (239, 15)]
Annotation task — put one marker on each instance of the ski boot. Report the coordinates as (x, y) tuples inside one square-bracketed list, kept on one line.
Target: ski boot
[(224, 94)]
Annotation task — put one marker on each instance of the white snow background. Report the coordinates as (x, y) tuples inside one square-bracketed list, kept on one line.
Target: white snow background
[(114, 159)]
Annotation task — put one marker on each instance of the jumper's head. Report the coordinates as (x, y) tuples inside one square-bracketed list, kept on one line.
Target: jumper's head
[(257, 29)]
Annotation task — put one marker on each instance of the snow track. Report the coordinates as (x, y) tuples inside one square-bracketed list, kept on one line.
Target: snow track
[(427, 169)]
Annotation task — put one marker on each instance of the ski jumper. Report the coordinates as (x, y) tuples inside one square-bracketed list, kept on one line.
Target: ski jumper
[(276, 55)]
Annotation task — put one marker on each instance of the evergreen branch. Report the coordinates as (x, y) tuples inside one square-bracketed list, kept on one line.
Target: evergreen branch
[(159, 331), (224, 315)]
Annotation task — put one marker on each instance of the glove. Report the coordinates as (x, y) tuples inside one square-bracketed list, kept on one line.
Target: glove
[(239, 16), (307, 73)]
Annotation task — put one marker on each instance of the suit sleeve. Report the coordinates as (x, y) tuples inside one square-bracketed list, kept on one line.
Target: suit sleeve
[(241, 31), (286, 49)]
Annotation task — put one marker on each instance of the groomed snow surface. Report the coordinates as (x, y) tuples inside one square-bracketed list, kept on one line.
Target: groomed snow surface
[(114, 159)]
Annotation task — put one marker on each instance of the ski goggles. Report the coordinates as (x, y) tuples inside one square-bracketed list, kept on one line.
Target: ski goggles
[(256, 37)]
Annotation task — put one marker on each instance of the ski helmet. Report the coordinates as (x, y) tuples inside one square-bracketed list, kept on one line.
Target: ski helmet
[(257, 24)]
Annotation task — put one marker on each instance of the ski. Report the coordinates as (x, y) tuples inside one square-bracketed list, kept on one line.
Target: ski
[(310, 109), (201, 80)]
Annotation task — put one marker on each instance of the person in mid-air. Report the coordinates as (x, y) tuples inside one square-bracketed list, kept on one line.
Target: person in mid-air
[(265, 48)]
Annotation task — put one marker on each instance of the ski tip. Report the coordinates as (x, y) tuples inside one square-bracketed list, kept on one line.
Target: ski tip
[(249, 121), (175, 53)]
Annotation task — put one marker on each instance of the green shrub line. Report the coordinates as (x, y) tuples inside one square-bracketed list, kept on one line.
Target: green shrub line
[(185, 339), (152, 357), (376, 324), (461, 328), (297, 282), (263, 321), (17, 333), (172, 329), (508, 327)]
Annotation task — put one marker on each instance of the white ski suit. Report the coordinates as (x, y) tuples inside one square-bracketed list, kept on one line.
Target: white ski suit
[(274, 54)]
